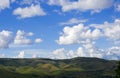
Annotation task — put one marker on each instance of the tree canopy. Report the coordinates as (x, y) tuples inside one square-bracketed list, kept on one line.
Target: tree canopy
[(118, 71)]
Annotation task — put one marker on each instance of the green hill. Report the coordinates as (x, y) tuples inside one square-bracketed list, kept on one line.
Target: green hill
[(48, 68)]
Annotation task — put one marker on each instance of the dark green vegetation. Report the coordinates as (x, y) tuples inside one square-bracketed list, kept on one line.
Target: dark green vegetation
[(47, 68), (118, 70)]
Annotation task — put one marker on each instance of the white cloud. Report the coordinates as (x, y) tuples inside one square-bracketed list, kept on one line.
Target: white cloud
[(114, 50), (87, 50), (5, 38), (59, 53), (73, 21), (38, 40), (82, 5), (34, 56), (21, 54), (4, 4), (92, 51), (113, 53), (2, 55), (71, 54), (21, 38), (110, 30), (29, 34), (80, 52), (78, 34), (33, 10), (34, 53), (58, 2)]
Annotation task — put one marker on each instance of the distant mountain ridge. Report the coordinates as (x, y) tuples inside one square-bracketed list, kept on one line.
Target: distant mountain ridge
[(80, 67)]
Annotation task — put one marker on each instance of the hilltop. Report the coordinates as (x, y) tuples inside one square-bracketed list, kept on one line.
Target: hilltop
[(79, 67)]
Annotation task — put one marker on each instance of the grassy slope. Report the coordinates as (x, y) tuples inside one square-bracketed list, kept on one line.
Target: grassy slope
[(47, 68)]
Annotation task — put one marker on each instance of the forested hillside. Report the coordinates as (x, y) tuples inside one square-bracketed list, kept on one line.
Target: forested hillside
[(48, 68)]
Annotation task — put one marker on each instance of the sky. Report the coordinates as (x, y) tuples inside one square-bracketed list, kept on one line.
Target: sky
[(60, 29)]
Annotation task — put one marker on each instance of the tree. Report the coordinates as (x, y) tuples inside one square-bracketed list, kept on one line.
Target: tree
[(118, 71)]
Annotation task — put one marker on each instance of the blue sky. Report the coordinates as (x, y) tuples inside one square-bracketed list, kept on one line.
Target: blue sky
[(60, 29)]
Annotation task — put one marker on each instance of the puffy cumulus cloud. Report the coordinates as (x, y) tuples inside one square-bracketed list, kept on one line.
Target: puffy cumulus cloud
[(114, 50), (91, 51), (78, 34), (61, 3), (21, 38), (73, 21), (87, 36), (34, 53), (71, 54), (5, 38), (58, 2), (86, 50), (38, 40), (82, 5), (80, 52), (31, 11), (110, 30), (4, 4), (21, 54), (113, 53), (84, 34), (59, 53)]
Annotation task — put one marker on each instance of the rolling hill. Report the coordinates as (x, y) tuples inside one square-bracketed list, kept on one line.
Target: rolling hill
[(79, 67)]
